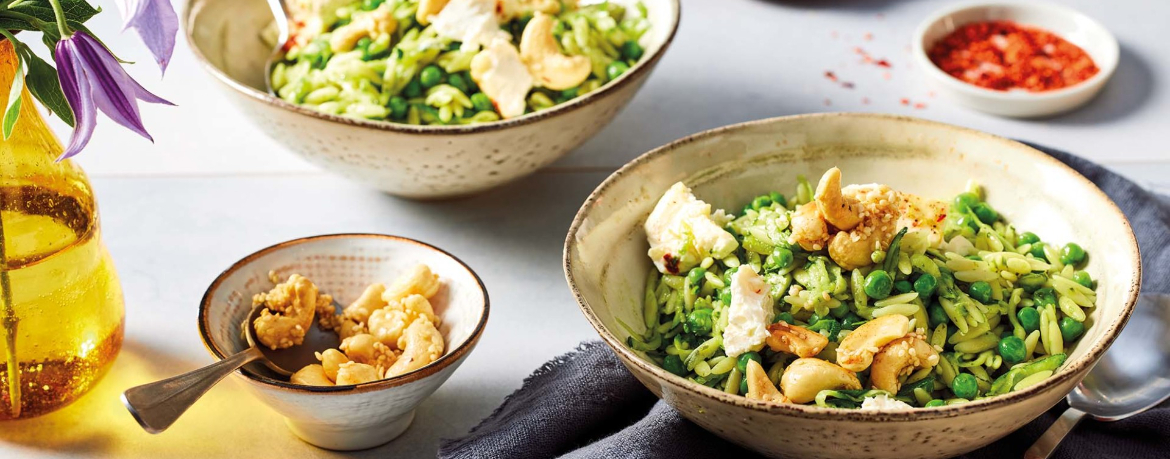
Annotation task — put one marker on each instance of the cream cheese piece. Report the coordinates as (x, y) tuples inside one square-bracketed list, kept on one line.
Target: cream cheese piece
[(883, 402), (749, 313), (677, 217), (502, 75), (472, 22)]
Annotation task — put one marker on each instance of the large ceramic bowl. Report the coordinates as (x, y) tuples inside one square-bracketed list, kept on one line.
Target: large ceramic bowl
[(606, 264), (422, 162), (356, 416)]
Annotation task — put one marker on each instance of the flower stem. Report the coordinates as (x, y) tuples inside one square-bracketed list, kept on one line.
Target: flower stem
[(59, 12), (10, 322)]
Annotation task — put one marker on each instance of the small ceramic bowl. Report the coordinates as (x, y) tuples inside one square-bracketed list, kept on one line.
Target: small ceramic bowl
[(420, 162), (356, 416), (606, 265), (1077, 28)]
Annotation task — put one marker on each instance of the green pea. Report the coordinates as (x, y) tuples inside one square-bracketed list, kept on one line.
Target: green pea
[(1083, 278), (412, 89), (1012, 349), (700, 322), (725, 296), (784, 317), (925, 285), (779, 199), (458, 82), (903, 286), (965, 386), (371, 5), (363, 45), (1044, 297), (965, 201), (936, 402), (1038, 251), (1072, 254), (1029, 319), (780, 258), (398, 107), (615, 69), (569, 94), (937, 314), (878, 284), (851, 321), (482, 102), (1028, 238), (980, 291), (968, 221), (695, 277), (1071, 329), (761, 202), (743, 360), (632, 51), (743, 386), (430, 76), (674, 364), (985, 213), (1032, 281)]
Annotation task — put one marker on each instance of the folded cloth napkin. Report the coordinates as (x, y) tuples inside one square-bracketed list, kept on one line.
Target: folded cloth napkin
[(585, 404)]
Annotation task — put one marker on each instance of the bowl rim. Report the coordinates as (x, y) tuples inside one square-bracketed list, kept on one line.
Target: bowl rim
[(1103, 75), (446, 359), (1066, 372), (191, 10)]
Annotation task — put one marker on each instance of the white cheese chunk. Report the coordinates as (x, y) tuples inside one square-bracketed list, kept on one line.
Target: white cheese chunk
[(749, 313), (472, 22), (883, 402), (502, 75), (682, 231)]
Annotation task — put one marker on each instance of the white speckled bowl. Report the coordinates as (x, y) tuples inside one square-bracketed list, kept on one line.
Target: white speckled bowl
[(606, 264), (1067, 23), (421, 162), (356, 416)]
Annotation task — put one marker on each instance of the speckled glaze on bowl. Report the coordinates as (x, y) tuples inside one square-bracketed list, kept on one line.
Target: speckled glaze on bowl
[(356, 416), (420, 162), (605, 264)]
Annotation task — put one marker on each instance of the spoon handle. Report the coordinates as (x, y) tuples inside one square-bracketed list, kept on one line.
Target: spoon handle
[(157, 405), (1051, 438)]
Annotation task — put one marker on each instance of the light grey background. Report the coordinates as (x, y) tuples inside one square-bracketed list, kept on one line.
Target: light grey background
[(212, 190)]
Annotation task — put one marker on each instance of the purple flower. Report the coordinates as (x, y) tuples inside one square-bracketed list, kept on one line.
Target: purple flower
[(157, 24), (92, 79)]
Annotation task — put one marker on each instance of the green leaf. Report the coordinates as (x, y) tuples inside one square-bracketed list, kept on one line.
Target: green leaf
[(75, 10), (12, 112), (44, 84)]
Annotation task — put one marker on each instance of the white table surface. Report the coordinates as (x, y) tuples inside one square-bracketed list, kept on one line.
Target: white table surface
[(212, 190)]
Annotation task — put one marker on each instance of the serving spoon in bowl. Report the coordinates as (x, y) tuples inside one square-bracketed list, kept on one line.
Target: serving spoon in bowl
[(1132, 376), (157, 405), (280, 16)]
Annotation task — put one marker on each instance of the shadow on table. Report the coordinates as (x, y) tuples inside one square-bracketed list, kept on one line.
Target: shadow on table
[(1130, 89)]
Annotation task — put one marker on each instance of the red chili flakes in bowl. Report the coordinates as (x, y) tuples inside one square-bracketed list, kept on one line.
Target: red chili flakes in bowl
[(1003, 55)]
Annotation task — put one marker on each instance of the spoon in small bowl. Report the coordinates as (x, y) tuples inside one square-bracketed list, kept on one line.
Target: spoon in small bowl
[(157, 405), (1132, 376), (280, 16)]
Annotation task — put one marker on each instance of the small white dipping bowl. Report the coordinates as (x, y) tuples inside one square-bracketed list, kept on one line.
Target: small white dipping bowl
[(356, 416), (1071, 25)]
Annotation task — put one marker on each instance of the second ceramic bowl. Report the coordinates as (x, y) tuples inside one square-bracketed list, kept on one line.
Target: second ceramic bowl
[(421, 162), (606, 265)]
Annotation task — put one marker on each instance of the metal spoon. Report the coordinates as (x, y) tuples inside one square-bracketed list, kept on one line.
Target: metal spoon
[(157, 405), (1133, 376), (280, 15)]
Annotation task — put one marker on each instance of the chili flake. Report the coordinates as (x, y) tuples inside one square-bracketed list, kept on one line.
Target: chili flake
[(1003, 55)]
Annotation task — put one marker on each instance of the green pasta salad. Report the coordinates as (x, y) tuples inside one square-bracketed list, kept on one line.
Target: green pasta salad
[(857, 297), (453, 61)]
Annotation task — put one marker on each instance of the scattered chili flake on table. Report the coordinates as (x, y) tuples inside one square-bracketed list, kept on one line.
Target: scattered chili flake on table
[(1003, 55)]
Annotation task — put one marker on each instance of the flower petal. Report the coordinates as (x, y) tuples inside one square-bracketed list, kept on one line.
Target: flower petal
[(79, 93), (114, 91), (156, 22)]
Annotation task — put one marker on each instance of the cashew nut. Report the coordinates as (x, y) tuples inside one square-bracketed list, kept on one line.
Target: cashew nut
[(840, 211), (857, 349), (852, 249), (805, 377), (553, 70), (796, 340), (369, 301), (419, 281), (312, 375), (421, 344), (356, 373), (365, 348), (898, 359), (331, 360), (288, 312), (809, 228), (428, 8), (759, 386)]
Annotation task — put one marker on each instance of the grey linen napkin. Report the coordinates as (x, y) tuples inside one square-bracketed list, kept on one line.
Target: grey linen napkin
[(585, 404)]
